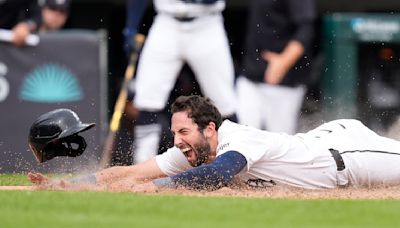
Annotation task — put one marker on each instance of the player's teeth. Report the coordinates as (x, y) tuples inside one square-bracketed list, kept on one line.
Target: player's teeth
[(185, 150)]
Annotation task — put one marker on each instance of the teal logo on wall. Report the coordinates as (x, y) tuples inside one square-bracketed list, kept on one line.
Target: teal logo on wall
[(51, 83)]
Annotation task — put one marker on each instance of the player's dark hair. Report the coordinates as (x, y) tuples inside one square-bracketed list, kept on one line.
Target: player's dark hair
[(200, 109)]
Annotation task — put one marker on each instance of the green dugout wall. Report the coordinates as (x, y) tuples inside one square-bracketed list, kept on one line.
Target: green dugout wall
[(360, 51)]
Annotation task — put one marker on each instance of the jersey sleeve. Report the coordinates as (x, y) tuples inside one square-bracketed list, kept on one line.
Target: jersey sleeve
[(172, 162), (252, 143), (251, 153)]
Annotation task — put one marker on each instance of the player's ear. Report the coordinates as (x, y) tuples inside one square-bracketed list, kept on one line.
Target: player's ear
[(210, 130)]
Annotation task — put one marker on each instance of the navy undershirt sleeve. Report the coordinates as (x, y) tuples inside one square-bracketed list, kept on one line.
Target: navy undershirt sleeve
[(213, 175), (135, 10)]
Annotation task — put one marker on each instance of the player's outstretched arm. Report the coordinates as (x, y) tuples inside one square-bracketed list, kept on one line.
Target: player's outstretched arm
[(116, 177), (147, 170)]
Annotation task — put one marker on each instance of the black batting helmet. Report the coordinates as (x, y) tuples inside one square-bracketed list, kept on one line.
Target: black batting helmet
[(55, 133)]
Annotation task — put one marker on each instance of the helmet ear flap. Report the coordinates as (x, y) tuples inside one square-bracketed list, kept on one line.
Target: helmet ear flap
[(75, 145), (71, 146)]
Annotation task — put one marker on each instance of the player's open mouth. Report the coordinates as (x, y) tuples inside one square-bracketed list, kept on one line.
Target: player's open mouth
[(189, 153)]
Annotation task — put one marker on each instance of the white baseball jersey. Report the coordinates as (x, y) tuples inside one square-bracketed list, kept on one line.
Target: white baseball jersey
[(304, 160), (201, 42)]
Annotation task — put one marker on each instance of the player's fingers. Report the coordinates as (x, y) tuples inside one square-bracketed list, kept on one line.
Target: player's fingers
[(32, 177), (37, 178)]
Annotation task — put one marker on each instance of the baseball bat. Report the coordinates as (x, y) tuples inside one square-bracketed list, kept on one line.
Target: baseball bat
[(120, 103)]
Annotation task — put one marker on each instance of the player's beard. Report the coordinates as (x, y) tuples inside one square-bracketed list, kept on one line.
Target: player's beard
[(202, 150)]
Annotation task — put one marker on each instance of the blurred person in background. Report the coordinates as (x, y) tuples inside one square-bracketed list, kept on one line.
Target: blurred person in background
[(20, 16), (122, 153), (54, 14), (277, 63), (183, 32)]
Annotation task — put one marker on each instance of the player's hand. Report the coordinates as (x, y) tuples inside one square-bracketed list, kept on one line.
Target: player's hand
[(277, 67), (38, 178), (44, 182), (131, 111), (21, 32)]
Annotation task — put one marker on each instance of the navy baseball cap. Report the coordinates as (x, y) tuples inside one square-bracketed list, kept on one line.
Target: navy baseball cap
[(62, 5)]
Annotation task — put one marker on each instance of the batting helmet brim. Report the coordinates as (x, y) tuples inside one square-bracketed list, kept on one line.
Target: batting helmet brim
[(76, 129)]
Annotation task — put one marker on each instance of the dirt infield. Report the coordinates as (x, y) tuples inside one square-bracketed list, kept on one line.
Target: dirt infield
[(273, 192), (3, 188), (292, 193)]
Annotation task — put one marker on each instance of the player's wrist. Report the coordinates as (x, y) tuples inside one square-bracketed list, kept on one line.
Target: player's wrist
[(165, 182), (85, 179)]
